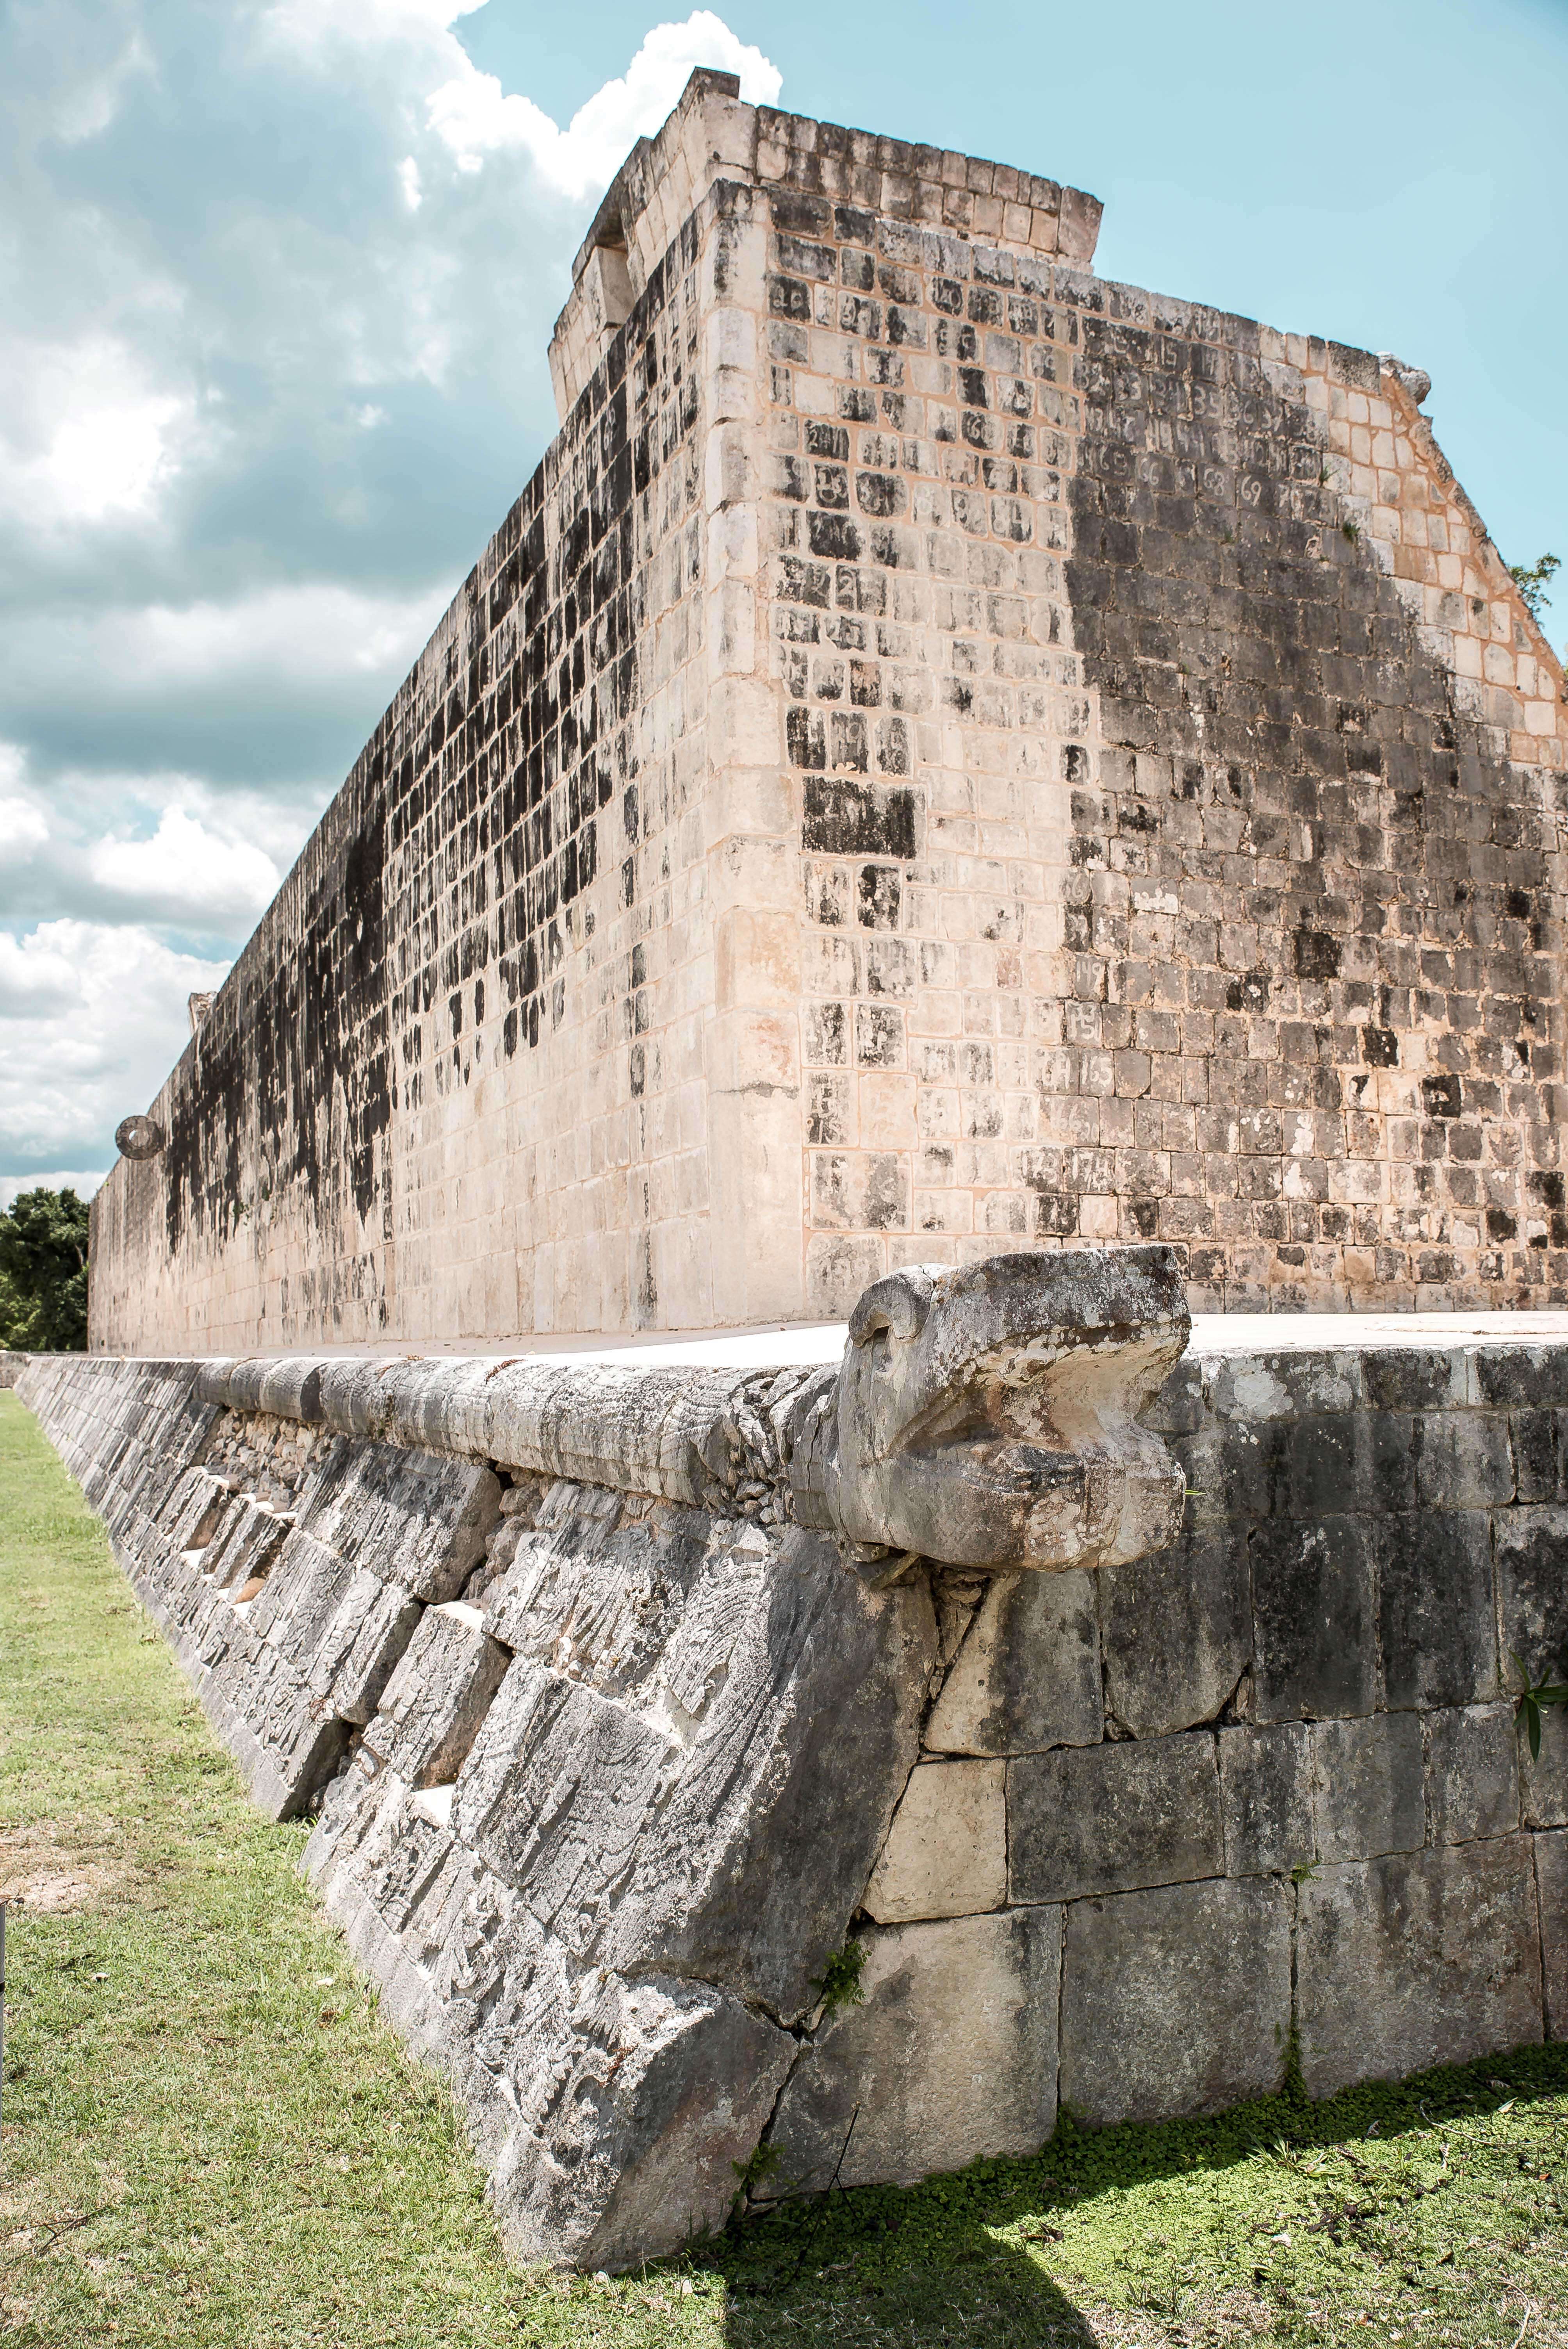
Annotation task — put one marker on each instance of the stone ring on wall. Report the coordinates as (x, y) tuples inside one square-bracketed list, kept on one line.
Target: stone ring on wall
[(139, 1137)]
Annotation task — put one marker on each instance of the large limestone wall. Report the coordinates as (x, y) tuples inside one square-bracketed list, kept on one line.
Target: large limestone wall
[(609, 1751), (948, 753), (455, 1085), (1179, 784)]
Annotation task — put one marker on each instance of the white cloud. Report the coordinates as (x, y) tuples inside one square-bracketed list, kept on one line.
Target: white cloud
[(257, 388), (24, 828), (92, 1017), (293, 637), (188, 874), (474, 118), (164, 852), (93, 105), (90, 438), (53, 1178)]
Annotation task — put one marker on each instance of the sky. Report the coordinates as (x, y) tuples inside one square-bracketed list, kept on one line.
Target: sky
[(276, 281)]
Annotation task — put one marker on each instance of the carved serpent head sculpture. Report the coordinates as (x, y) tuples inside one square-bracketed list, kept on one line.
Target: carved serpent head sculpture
[(988, 1415)]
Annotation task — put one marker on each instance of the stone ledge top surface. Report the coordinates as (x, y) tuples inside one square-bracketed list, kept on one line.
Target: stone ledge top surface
[(779, 1346)]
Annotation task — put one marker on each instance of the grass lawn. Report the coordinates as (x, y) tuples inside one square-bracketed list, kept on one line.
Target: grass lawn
[(210, 2137)]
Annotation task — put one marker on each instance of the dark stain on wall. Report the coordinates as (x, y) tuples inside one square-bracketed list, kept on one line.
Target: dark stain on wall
[(1286, 756), (446, 882)]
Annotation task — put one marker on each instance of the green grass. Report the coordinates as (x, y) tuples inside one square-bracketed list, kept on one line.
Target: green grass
[(210, 2137)]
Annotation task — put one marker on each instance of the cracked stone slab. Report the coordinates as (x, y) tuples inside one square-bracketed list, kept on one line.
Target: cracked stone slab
[(952, 2057)]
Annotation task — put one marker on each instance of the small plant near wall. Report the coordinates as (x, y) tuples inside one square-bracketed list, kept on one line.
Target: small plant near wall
[(839, 1983), (1533, 581), (1531, 1702)]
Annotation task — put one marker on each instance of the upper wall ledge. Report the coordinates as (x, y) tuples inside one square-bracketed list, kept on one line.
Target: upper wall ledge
[(713, 134)]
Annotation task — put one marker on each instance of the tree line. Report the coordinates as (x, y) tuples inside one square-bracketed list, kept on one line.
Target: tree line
[(44, 1273)]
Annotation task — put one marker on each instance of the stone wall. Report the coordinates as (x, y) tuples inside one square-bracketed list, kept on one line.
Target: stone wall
[(948, 753), (610, 1751)]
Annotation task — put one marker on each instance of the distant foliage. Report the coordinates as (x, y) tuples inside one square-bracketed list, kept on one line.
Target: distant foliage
[(1533, 581), (44, 1274)]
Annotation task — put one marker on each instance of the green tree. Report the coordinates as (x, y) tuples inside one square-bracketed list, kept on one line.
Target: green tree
[(1533, 581), (44, 1274)]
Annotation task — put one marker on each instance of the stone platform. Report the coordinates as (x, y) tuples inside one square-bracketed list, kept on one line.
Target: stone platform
[(625, 1695)]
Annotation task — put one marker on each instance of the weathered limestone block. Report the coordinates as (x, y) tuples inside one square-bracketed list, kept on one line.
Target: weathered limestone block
[(952, 2057), (244, 1544), (1473, 1774), (1551, 1887), (1104, 1819), (1313, 1605), (611, 2114), (1437, 1626), (1543, 1776), (1265, 1796), (1175, 2001), (715, 1805), (429, 1714), (669, 2088), (1463, 1461), (1368, 1789), (1533, 1591), (192, 1512), (988, 1415), (1360, 1460), (411, 1517), (946, 1851), (1539, 1440), (1178, 1633), (1027, 1675), (1424, 1957)]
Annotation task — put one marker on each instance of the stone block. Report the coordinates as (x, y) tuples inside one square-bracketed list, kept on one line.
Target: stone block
[(1265, 1798), (191, 1514), (1415, 1377), (657, 2090), (1027, 1675), (1177, 1409), (1106, 1818), (1435, 1609), (1363, 1462), (1552, 1892), (414, 1518), (1286, 1384), (1234, 1469), (1531, 1553), (1367, 1786), (1543, 1776), (359, 1648), (1510, 1377), (1473, 1774), (719, 1812), (1314, 1612), (952, 2057), (1419, 1958), (946, 1851), (1175, 2001), (436, 1698), (1540, 1440), (1177, 1631), (1463, 1460)]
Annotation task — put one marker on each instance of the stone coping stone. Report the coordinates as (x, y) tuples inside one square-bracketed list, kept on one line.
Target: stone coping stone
[(780, 1346)]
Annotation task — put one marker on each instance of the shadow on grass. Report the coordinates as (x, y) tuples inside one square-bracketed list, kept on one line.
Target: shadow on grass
[(966, 2259)]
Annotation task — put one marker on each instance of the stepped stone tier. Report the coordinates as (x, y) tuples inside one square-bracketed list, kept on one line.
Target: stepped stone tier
[(946, 754), (622, 1703)]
